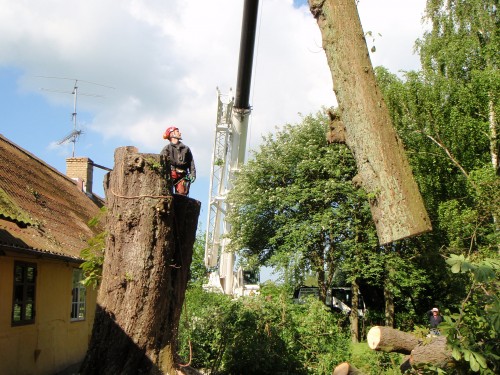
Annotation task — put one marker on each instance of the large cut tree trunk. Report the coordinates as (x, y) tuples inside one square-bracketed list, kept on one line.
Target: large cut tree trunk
[(383, 170), (148, 254), (388, 339), (422, 352)]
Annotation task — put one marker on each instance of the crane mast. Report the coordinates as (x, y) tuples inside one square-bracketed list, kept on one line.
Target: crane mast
[(228, 155)]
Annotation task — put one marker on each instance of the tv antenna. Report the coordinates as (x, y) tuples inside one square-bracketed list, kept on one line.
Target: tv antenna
[(75, 133)]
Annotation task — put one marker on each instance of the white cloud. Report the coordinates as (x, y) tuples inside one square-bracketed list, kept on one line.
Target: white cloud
[(395, 25), (166, 58)]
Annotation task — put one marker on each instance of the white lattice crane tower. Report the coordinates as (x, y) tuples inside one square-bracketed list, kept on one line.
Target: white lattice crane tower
[(228, 156)]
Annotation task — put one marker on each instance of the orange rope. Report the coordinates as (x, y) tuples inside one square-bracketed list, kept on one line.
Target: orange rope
[(190, 356)]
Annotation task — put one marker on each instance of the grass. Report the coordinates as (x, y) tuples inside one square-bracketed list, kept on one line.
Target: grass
[(371, 362)]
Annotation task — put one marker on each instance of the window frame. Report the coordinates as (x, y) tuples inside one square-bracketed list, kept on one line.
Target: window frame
[(25, 284), (78, 310)]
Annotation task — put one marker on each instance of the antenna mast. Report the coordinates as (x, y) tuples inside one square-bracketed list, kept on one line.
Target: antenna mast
[(75, 93), (73, 136)]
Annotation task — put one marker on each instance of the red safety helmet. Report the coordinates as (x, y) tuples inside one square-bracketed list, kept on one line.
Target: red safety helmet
[(169, 130)]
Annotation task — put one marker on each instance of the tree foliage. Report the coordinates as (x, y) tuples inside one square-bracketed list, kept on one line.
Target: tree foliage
[(265, 334), (295, 209), (447, 116), (93, 254), (473, 331), (294, 206), (198, 272)]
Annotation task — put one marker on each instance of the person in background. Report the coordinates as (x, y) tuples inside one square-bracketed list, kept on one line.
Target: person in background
[(434, 320), (180, 158)]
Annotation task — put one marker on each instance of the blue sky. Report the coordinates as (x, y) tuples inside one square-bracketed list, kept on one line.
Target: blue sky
[(156, 63)]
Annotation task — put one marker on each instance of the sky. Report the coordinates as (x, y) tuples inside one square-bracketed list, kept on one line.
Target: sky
[(142, 66)]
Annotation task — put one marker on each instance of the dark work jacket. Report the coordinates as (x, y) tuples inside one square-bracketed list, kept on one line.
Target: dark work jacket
[(434, 320), (180, 156)]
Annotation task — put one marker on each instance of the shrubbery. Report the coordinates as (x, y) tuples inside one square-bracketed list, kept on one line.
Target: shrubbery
[(261, 335)]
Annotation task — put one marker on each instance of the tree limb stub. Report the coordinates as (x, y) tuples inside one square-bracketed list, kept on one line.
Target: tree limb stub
[(384, 172), (345, 368)]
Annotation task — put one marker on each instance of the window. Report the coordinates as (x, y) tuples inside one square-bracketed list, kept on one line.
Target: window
[(23, 306), (78, 296)]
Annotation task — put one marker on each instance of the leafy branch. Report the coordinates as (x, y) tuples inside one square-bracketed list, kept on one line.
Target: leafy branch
[(94, 253), (473, 333)]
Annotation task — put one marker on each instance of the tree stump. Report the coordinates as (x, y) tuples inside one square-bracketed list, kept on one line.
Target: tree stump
[(436, 353), (388, 339), (146, 268), (383, 170), (346, 369)]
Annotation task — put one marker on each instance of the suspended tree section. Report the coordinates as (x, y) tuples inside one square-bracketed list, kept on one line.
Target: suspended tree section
[(383, 169)]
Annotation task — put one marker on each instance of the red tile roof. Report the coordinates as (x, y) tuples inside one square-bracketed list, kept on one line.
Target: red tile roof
[(41, 209)]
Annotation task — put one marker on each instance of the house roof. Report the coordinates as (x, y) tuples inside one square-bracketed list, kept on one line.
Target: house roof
[(42, 211)]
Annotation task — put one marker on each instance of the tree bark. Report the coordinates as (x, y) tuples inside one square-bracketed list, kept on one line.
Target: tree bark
[(383, 170), (146, 268), (354, 317), (388, 340), (389, 302), (435, 353), (494, 141), (346, 369)]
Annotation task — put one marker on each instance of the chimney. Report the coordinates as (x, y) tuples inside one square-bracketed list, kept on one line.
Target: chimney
[(81, 169)]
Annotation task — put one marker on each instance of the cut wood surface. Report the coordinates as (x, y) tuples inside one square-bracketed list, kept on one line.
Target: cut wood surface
[(346, 369), (388, 339), (383, 169), (436, 353)]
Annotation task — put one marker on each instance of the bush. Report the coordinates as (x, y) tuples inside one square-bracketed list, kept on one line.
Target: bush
[(373, 362), (261, 335)]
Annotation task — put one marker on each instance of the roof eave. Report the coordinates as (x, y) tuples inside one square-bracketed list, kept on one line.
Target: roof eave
[(40, 254)]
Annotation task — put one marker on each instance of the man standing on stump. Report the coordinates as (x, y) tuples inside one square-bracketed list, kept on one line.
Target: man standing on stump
[(180, 158)]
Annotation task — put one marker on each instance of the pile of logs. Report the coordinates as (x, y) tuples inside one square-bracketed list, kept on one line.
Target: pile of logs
[(431, 351)]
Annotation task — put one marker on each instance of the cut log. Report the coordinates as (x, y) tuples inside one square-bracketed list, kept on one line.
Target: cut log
[(345, 368), (436, 353), (388, 339), (383, 169), (146, 268)]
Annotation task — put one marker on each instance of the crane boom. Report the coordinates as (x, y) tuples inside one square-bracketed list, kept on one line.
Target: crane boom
[(228, 155)]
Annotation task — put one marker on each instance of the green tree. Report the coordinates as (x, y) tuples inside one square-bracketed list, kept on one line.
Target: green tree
[(198, 271), (460, 57), (460, 53), (447, 117), (93, 254), (265, 334), (450, 156), (473, 331), (294, 206), (297, 209)]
